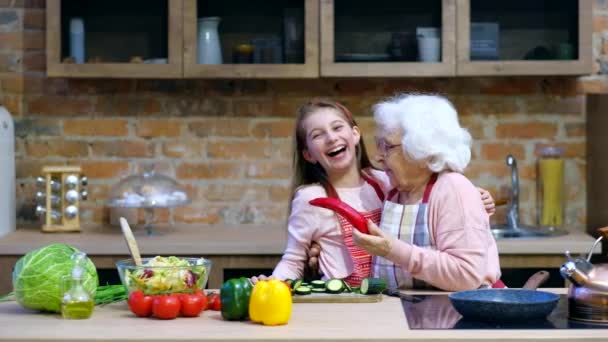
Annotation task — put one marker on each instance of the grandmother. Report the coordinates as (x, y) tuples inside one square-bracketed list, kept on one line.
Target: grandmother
[(434, 231)]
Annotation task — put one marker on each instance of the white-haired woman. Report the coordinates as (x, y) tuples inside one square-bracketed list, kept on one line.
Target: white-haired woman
[(434, 229)]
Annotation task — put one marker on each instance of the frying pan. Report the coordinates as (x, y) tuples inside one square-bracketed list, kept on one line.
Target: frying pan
[(504, 305)]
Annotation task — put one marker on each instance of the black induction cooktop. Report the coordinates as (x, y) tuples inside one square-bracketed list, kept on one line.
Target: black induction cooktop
[(436, 312)]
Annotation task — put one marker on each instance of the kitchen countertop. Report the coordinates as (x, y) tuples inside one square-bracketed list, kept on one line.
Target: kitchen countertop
[(383, 321), (234, 240)]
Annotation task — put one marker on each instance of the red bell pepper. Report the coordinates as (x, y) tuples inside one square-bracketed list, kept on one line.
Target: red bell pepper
[(349, 213)]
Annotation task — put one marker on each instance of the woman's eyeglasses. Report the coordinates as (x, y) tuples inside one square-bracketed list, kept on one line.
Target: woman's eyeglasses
[(383, 147)]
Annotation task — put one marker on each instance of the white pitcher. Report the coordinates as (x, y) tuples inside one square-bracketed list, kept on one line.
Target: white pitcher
[(209, 50)]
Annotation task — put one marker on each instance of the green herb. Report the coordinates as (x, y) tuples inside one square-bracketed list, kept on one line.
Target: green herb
[(9, 297), (105, 294), (110, 293)]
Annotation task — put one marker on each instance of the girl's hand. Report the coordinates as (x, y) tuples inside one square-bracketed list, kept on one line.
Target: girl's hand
[(374, 243), (255, 279), (312, 271), (488, 201)]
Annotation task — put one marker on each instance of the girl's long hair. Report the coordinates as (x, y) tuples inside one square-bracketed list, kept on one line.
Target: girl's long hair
[(306, 173)]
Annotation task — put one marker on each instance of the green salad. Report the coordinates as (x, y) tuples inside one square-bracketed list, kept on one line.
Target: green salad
[(167, 275)]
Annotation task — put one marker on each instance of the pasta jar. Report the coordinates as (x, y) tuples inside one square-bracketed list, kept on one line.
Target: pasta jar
[(550, 187)]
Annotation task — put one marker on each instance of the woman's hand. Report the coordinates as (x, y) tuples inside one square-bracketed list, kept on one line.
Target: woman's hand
[(488, 201), (374, 243)]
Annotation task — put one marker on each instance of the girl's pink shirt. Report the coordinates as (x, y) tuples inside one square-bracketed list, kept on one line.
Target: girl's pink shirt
[(308, 223), (466, 256)]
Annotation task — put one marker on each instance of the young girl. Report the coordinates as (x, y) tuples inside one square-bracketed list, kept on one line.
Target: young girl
[(330, 160)]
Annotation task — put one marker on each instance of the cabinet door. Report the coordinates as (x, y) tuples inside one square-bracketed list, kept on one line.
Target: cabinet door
[(524, 37), (251, 38), (119, 39), (388, 38)]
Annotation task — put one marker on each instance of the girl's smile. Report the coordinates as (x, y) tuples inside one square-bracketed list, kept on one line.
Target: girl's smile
[(330, 141)]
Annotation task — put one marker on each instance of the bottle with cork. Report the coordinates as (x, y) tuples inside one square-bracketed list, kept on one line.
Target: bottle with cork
[(550, 187)]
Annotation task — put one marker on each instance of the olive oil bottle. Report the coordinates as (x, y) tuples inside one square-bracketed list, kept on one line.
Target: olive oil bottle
[(76, 303)]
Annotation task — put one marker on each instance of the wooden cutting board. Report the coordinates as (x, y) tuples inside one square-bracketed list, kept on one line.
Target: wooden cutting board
[(337, 298)]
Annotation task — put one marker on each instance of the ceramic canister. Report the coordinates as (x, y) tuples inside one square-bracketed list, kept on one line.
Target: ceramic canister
[(209, 49)]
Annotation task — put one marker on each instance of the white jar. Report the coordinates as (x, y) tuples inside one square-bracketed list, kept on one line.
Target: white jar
[(429, 49), (77, 40), (209, 49)]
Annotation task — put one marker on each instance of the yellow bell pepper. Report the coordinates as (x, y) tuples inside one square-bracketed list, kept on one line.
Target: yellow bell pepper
[(270, 302)]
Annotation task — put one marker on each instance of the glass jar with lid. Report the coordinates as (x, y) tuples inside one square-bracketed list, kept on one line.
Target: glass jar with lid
[(550, 194)]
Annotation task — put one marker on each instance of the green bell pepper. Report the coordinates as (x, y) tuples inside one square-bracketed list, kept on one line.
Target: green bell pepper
[(234, 295)]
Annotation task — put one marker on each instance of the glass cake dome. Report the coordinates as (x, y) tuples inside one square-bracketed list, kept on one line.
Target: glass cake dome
[(148, 190)]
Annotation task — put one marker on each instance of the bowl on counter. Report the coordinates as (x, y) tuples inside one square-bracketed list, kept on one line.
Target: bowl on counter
[(161, 275)]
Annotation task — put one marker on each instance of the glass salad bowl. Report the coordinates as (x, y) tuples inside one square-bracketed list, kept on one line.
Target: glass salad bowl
[(161, 275)]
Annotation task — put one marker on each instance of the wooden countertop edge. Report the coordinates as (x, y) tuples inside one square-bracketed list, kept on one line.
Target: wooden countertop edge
[(234, 240)]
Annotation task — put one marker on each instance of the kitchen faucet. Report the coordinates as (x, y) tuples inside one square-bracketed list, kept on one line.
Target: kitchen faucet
[(513, 211), (512, 228)]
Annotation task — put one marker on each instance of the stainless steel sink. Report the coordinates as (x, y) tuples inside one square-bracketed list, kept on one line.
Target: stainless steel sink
[(504, 231)]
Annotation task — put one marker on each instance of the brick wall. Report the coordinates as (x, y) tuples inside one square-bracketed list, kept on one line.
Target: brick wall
[(229, 142)]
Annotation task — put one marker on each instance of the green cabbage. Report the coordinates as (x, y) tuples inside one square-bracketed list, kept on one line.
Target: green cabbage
[(38, 277)]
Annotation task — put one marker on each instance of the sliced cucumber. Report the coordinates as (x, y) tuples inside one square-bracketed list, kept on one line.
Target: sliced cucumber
[(305, 283), (289, 282), (302, 290), (347, 287), (356, 290), (318, 284), (296, 283), (334, 285), (372, 285), (318, 290)]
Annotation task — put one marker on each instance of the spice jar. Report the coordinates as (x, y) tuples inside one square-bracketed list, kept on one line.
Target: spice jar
[(550, 187), (243, 54)]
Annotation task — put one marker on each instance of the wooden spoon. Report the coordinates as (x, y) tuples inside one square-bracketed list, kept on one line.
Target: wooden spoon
[(128, 234)]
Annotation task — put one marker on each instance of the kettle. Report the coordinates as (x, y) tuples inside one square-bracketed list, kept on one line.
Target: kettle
[(588, 292)]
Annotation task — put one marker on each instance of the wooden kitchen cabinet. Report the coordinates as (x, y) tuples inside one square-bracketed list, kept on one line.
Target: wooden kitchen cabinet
[(281, 35), (522, 37), (325, 38), (379, 39), (123, 39)]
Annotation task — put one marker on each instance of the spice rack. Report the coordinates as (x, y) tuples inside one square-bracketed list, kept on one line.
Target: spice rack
[(60, 190)]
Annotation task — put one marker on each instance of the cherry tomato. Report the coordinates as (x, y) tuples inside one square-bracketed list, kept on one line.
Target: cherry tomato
[(202, 294), (166, 307), (140, 304), (213, 302), (192, 304)]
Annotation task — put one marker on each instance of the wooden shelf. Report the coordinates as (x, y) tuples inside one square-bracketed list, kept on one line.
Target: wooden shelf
[(580, 66), (331, 68), (308, 69), (115, 69)]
